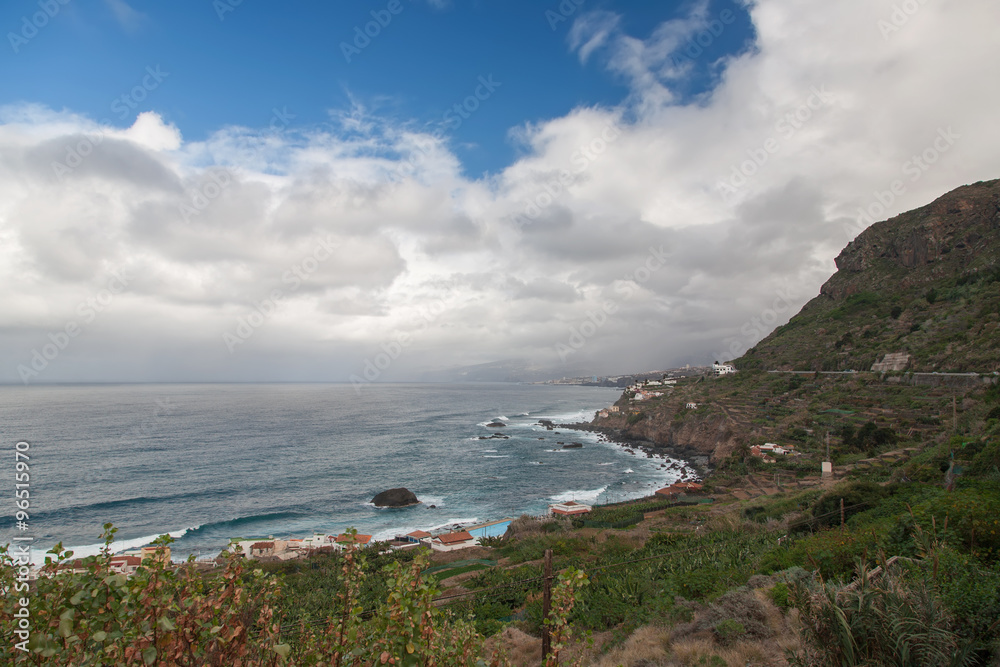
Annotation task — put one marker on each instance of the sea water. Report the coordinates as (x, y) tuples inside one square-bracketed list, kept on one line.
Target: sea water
[(210, 462)]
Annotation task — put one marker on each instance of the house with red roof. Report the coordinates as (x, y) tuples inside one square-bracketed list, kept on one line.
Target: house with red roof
[(453, 541), (345, 541), (125, 564)]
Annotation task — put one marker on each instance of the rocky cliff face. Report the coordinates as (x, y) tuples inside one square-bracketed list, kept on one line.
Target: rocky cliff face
[(955, 234), (925, 283)]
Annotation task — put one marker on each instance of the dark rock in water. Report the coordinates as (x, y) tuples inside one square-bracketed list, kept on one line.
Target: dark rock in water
[(541, 438), (573, 445), (495, 424), (395, 498), (545, 422), (558, 443), (432, 507)]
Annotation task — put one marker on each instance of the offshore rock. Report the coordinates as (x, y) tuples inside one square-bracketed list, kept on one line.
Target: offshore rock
[(395, 498)]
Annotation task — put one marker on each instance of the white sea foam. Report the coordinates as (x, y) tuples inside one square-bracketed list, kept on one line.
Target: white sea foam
[(579, 495), (452, 522), (495, 456), (38, 554), (490, 451), (628, 470)]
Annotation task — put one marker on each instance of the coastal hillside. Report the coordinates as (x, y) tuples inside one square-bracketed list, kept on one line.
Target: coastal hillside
[(918, 293), (924, 285)]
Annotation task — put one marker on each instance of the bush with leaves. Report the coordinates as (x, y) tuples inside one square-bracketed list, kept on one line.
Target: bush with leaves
[(85, 614)]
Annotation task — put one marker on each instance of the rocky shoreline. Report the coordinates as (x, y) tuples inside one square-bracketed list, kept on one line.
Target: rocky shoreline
[(694, 463)]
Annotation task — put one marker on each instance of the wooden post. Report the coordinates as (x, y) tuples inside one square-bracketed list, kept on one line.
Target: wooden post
[(546, 605), (841, 515)]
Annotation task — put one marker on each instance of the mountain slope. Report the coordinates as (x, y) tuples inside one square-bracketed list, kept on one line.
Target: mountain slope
[(925, 283)]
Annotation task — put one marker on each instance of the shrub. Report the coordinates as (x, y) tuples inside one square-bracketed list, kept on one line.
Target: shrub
[(896, 620), (857, 497), (740, 614), (779, 595), (987, 460), (729, 631), (178, 616)]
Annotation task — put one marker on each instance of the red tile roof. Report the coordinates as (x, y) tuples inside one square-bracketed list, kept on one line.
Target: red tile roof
[(455, 538), (344, 538), (419, 534), (126, 560), (261, 545)]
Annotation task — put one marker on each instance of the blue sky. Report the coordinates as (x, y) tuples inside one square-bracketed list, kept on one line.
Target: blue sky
[(270, 211), (231, 64)]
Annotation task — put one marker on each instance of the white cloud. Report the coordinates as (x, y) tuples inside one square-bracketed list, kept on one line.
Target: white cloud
[(476, 270)]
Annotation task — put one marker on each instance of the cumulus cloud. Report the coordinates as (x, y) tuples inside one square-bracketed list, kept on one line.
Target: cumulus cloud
[(640, 236)]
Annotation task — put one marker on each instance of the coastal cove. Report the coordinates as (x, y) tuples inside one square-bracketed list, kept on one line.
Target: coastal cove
[(207, 463)]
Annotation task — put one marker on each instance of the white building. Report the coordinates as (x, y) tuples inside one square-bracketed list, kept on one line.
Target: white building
[(723, 369), (569, 508)]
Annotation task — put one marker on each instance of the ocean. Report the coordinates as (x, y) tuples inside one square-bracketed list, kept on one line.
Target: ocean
[(210, 462)]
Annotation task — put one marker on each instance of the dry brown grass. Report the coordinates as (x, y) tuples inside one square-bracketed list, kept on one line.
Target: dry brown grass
[(686, 645), (519, 647), (647, 647)]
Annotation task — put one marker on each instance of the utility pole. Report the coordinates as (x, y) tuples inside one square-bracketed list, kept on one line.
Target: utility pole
[(546, 605), (954, 414)]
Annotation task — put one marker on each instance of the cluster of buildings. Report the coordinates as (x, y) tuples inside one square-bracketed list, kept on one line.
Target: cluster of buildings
[(125, 563), (278, 549)]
